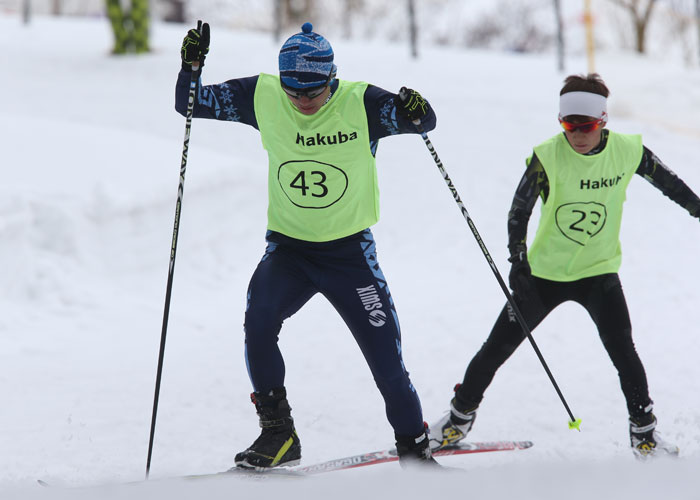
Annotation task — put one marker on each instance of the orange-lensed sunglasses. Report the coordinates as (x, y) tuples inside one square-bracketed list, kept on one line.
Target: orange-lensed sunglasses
[(585, 127)]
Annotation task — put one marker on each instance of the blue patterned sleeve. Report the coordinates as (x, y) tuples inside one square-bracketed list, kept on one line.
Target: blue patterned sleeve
[(231, 100), (382, 118)]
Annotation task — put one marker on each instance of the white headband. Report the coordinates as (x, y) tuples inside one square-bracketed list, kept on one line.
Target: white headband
[(582, 103)]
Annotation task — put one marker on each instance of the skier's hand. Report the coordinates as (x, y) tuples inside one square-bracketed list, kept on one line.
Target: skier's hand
[(195, 47), (410, 104), (520, 277)]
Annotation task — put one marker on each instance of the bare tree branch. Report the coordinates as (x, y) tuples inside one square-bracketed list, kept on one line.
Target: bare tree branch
[(640, 12)]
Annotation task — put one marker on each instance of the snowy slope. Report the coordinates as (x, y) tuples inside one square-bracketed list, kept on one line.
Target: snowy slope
[(91, 154)]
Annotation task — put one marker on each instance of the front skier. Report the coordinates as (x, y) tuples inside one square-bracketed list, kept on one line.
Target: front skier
[(321, 137)]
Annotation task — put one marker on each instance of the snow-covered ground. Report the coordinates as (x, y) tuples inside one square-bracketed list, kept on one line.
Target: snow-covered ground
[(91, 150)]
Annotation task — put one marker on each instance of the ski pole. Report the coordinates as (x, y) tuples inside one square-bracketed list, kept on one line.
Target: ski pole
[(173, 250), (574, 423)]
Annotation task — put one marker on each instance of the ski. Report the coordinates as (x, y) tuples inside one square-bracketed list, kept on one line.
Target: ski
[(281, 472), (389, 455), (257, 474), (351, 462), (365, 459)]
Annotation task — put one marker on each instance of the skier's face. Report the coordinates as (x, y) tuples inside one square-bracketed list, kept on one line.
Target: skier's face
[(583, 132), (309, 106)]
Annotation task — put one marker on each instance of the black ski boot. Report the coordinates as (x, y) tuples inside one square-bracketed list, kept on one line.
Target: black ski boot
[(278, 444), (454, 425), (645, 440), (415, 451)]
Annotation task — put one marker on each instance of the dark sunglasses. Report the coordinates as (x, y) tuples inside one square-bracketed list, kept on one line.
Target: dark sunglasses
[(585, 127), (311, 93)]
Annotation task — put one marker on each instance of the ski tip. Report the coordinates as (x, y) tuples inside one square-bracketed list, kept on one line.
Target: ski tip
[(575, 424)]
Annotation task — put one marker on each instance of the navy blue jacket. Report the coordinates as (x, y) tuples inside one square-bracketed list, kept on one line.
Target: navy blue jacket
[(233, 101)]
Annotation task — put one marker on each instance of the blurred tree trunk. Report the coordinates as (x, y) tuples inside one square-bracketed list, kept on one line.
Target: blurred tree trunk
[(350, 7), (116, 16), (278, 21), (176, 11), (291, 13), (130, 28), (697, 21), (412, 28), (560, 35), (26, 11), (640, 11), (140, 19), (56, 7), (296, 12)]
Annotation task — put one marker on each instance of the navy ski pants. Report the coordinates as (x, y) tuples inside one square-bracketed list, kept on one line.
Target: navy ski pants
[(347, 273)]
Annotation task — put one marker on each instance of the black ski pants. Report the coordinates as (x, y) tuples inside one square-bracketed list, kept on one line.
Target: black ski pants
[(604, 300)]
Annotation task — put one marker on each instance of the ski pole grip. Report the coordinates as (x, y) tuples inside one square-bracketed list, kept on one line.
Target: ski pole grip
[(418, 125), (403, 95), (195, 64)]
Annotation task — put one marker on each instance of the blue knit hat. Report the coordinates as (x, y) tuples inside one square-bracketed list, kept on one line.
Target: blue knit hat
[(306, 60)]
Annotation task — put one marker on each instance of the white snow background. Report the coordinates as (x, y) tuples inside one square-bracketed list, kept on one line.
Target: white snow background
[(91, 149)]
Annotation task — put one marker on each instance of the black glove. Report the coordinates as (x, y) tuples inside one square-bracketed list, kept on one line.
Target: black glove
[(410, 104), (195, 47), (520, 277)]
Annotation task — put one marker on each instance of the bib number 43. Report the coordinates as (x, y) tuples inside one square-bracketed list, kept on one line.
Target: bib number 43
[(312, 184), (299, 182)]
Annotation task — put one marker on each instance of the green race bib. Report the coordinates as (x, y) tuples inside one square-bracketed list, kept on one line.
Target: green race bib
[(322, 178)]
